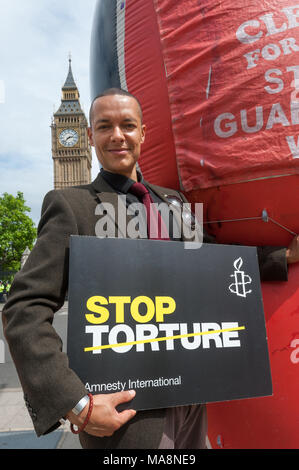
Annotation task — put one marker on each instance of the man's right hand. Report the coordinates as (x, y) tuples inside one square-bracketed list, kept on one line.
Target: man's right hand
[(104, 419)]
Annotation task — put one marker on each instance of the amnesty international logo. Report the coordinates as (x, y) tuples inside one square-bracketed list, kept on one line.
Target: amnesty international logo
[(241, 280)]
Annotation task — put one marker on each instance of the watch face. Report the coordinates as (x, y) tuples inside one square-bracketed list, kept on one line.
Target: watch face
[(68, 137)]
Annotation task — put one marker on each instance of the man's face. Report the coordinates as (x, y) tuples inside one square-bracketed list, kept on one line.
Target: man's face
[(116, 133)]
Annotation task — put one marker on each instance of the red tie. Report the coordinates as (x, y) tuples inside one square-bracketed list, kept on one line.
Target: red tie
[(155, 226)]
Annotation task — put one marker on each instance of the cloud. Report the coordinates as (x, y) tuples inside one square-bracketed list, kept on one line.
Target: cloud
[(35, 40)]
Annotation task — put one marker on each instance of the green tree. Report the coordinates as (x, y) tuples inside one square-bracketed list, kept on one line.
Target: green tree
[(17, 230)]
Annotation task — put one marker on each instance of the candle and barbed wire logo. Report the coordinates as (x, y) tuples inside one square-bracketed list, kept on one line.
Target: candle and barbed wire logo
[(242, 280)]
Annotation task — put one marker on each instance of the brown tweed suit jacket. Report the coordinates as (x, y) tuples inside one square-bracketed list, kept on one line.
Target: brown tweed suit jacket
[(50, 387)]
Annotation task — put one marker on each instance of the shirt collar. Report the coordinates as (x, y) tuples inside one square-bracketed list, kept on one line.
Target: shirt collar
[(119, 182)]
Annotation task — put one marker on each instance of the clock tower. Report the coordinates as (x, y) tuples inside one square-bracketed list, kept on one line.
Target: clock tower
[(71, 151)]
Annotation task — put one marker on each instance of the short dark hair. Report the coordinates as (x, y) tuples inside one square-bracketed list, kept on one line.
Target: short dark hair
[(111, 92)]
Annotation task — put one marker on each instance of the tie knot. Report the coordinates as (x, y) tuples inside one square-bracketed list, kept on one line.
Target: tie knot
[(138, 189)]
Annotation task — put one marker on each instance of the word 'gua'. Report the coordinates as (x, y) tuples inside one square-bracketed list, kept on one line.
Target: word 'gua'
[(226, 124)]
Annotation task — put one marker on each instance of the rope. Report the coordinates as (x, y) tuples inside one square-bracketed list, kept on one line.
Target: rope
[(282, 226), (264, 217)]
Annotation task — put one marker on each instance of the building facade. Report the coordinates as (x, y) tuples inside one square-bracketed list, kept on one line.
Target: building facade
[(71, 151)]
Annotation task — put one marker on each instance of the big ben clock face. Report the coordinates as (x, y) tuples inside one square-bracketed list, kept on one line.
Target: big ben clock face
[(68, 137)]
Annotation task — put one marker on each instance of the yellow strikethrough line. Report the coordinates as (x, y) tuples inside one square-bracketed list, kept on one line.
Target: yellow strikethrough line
[(131, 343)]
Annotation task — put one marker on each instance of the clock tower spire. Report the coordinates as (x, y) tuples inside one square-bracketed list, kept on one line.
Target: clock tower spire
[(71, 151)]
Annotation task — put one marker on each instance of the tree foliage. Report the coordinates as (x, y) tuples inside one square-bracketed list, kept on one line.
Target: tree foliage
[(17, 230)]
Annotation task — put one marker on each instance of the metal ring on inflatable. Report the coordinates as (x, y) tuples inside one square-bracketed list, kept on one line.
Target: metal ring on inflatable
[(219, 86)]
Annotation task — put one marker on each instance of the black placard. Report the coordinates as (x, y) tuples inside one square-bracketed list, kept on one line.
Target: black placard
[(135, 283)]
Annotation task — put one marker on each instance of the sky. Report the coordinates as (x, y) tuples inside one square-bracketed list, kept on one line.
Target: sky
[(36, 37)]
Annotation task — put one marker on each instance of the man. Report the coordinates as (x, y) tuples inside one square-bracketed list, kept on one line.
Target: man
[(52, 390)]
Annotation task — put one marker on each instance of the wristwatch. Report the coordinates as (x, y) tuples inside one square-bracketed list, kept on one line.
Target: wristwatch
[(80, 405)]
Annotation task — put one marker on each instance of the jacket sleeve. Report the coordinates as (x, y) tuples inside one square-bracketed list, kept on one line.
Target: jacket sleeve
[(272, 263), (50, 387)]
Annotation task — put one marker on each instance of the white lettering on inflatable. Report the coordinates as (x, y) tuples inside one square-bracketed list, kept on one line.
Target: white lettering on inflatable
[(289, 45), (294, 148), (246, 38), (295, 112), (277, 116), (259, 120), (295, 69), (270, 24), (276, 80), (245, 34), (230, 126), (252, 58), (292, 16), (271, 52)]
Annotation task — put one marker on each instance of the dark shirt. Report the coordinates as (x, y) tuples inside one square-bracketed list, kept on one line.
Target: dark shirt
[(122, 185)]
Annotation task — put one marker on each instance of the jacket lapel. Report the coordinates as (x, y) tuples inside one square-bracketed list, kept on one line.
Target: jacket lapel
[(113, 203), (182, 214), (165, 194)]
